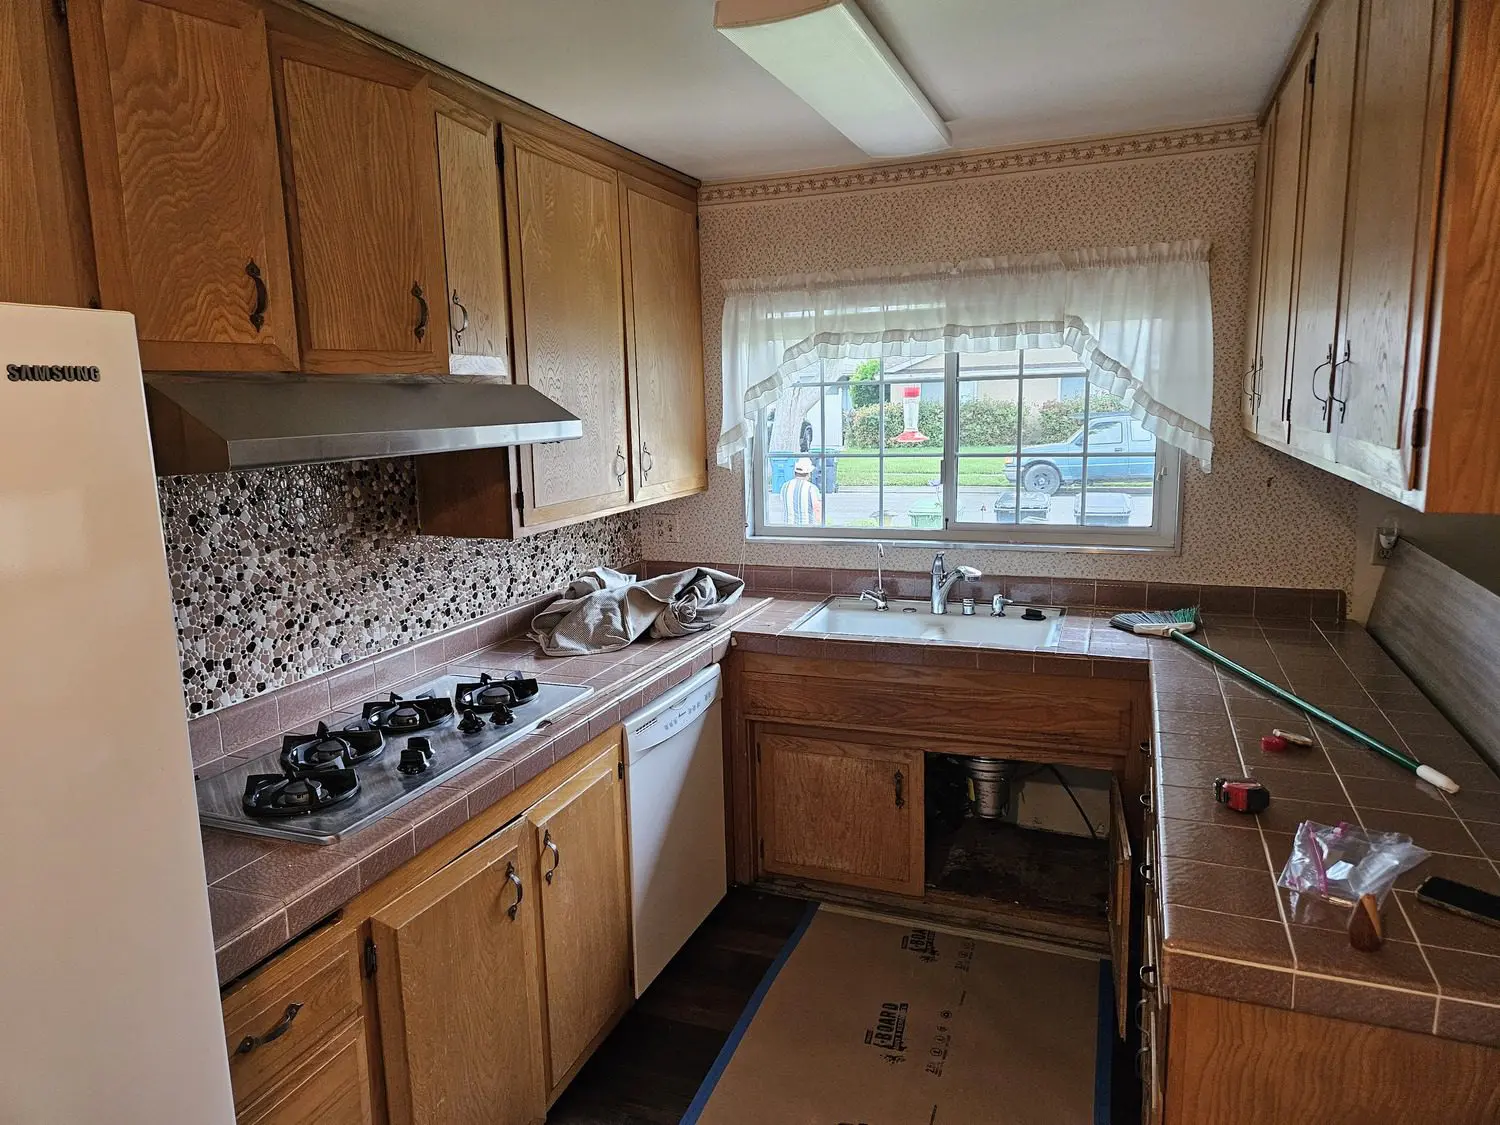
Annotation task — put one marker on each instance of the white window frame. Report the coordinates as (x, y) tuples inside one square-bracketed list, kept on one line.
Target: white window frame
[(1164, 535)]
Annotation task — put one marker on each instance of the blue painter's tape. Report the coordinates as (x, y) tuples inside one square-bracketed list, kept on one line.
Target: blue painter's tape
[(705, 1091), (1104, 1046)]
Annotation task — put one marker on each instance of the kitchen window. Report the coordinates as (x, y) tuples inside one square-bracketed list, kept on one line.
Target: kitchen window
[(1014, 448)]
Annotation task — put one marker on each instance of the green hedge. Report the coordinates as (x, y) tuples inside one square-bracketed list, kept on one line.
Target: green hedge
[(982, 421)]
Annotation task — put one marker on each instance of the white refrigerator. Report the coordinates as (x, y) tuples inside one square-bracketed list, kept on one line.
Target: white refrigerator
[(109, 1003)]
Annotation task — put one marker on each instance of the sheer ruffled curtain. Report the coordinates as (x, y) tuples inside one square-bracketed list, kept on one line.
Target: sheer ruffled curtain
[(1138, 318)]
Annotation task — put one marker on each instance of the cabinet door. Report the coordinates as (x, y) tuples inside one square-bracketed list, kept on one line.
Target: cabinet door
[(46, 257), (459, 990), (1283, 224), (1254, 361), (184, 184), (1119, 904), (580, 839), (1398, 126), (1329, 121), (664, 337), (473, 241), (331, 1088), (569, 325), (360, 161), (840, 811)]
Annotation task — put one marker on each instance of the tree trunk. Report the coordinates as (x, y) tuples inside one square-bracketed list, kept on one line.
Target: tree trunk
[(791, 412)]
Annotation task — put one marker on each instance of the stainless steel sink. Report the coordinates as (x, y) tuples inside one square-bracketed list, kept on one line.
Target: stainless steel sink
[(914, 620)]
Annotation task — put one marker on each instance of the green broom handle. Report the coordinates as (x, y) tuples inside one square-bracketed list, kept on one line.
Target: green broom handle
[(1301, 704)]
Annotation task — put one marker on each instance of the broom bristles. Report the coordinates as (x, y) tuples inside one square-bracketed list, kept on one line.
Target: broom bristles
[(1157, 623)]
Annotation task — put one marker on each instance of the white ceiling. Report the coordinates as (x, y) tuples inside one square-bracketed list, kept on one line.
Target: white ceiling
[(654, 75)]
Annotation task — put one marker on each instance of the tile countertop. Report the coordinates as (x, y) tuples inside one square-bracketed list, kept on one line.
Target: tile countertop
[(1228, 930)]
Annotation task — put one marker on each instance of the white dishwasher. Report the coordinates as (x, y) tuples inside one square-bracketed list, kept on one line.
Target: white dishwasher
[(674, 785)]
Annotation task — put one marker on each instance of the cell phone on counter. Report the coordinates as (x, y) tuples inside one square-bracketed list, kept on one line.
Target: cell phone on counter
[(1461, 898)]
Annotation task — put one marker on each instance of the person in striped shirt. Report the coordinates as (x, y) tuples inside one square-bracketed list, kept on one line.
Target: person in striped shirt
[(800, 498)]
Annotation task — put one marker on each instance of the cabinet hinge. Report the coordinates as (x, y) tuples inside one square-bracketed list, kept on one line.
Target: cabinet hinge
[(1312, 70), (499, 150), (520, 500), (1419, 427), (369, 957), (620, 769), (61, 8)]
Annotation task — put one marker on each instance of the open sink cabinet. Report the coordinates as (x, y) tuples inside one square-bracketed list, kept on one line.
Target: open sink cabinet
[(828, 763)]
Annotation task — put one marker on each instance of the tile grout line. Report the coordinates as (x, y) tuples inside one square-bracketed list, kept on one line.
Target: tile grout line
[(1265, 845), (1405, 917)]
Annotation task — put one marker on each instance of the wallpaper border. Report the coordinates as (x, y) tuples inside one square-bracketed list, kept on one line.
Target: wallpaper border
[(987, 162)]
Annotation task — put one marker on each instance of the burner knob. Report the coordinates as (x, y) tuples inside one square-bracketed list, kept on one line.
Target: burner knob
[(502, 716), (470, 722), (416, 757)]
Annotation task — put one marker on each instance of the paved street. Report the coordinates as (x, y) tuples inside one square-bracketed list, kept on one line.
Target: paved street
[(856, 507)]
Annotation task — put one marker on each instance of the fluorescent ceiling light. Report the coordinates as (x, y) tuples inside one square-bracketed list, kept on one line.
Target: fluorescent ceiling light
[(829, 55)]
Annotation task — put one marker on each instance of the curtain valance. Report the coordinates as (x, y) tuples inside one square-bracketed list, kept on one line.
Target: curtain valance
[(1138, 318)]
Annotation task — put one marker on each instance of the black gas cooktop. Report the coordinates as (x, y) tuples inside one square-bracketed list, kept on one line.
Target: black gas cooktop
[(328, 782)]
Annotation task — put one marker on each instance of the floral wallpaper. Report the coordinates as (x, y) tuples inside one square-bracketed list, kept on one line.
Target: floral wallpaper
[(282, 574), (1260, 518)]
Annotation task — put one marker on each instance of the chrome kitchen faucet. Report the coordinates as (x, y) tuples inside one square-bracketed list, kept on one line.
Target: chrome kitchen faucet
[(943, 580)]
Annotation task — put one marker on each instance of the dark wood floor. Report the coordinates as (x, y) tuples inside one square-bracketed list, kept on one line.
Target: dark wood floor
[(648, 1070)]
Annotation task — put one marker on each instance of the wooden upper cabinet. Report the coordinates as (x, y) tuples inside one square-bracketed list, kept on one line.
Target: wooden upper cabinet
[(359, 156), (46, 257), (1325, 189), (664, 342), (1254, 316), (568, 322), (1398, 132), (189, 228), (1283, 218), (580, 842), (473, 241), (459, 990), (840, 811)]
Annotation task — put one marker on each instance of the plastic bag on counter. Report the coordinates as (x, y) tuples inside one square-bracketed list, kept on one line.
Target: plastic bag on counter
[(1341, 862)]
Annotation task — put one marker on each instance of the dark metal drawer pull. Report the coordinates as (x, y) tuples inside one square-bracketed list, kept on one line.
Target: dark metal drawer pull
[(900, 780), (250, 1042), (510, 873), (1147, 974), (458, 333), (1145, 799), (421, 329), (556, 855), (258, 313), (1148, 873)]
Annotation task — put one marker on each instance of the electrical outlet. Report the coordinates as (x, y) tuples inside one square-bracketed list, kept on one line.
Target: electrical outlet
[(663, 530), (1384, 545)]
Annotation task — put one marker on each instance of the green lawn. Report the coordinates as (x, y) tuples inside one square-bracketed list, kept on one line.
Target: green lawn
[(917, 472)]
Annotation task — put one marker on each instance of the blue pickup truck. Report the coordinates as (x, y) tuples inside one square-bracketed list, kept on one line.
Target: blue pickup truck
[(1119, 449)]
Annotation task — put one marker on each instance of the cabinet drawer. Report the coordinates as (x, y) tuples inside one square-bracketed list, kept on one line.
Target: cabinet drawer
[(276, 1020), (331, 1088)]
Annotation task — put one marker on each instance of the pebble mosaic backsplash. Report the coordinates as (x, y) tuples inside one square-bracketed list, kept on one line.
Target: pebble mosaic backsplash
[(284, 573)]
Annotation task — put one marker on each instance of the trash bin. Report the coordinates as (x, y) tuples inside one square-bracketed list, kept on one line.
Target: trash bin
[(926, 514), (1105, 509), (783, 468), (1035, 507)]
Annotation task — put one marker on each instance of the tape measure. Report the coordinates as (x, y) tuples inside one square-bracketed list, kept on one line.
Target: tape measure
[(1242, 794)]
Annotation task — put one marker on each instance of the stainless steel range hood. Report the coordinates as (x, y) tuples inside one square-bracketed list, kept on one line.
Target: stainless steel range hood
[(216, 423)]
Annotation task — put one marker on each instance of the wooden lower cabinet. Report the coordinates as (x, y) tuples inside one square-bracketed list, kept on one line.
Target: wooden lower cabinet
[(580, 839), (331, 1088), (277, 1021), (839, 810), (467, 987), (458, 990)]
